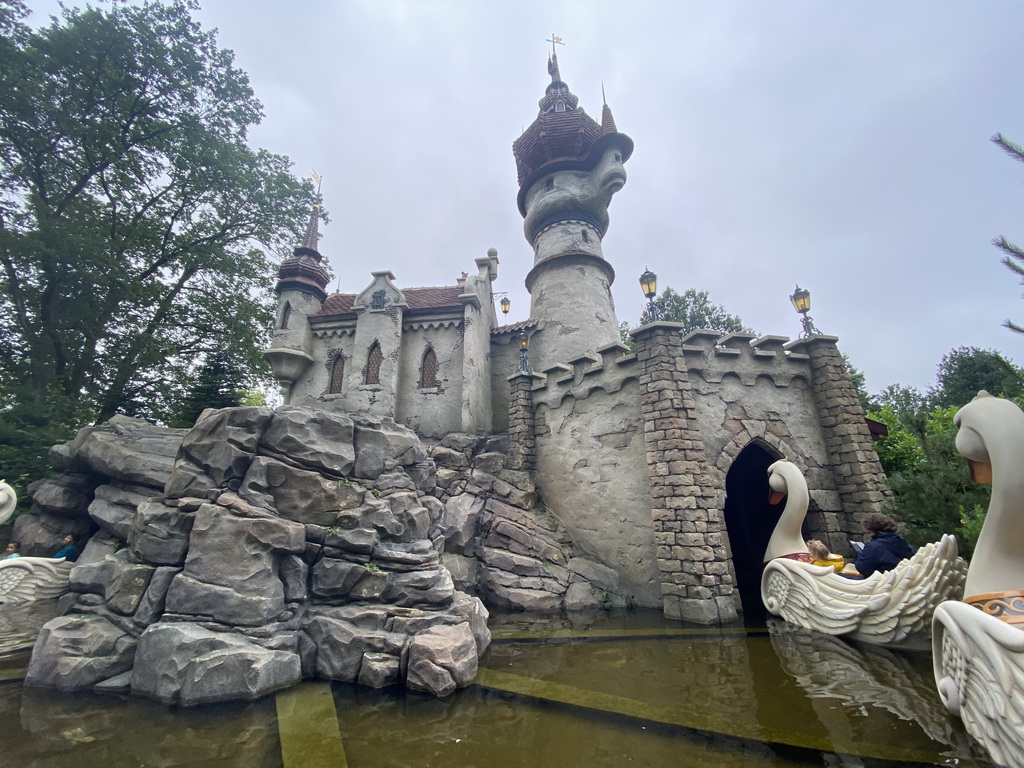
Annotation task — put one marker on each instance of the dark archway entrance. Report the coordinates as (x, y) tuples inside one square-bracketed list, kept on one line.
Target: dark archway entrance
[(750, 520)]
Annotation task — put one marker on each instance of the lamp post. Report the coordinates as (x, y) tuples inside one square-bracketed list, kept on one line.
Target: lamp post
[(524, 359), (801, 299), (649, 285)]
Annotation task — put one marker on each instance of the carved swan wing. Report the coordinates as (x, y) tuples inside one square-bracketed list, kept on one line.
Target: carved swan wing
[(886, 608), (979, 672), (25, 579)]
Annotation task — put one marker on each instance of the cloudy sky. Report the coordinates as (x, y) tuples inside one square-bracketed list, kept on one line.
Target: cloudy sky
[(841, 146)]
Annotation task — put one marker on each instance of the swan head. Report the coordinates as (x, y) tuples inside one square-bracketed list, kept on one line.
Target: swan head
[(8, 501), (986, 421), (780, 475)]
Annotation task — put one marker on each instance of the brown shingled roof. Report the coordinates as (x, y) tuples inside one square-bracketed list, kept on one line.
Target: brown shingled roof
[(430, 297)]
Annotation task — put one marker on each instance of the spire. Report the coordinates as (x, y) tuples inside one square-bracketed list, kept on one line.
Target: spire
[(312, 238), (607, 121)]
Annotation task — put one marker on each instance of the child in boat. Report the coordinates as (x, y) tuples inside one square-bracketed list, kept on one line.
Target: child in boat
[(11, 551), (821, 556)]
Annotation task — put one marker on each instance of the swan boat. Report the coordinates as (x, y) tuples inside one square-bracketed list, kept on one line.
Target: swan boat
[(887, 608), (978, 643), (25, 579)]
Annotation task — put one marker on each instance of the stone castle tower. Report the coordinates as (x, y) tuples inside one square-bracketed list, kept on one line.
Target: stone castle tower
[(569, 168)]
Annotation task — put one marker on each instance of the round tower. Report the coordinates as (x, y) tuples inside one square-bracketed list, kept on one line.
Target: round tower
[(301, 290), (569, 167)]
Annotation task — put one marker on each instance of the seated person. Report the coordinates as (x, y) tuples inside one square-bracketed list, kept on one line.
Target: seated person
[(886, 549), (70, 549), (11, 551), (821, 556)]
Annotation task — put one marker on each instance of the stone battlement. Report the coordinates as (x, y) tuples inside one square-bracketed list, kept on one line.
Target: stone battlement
[(709, 353)]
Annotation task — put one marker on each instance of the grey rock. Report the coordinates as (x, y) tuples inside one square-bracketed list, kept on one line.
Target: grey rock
[(189, 597), (336, 578), (223, 444), (580, 596), (160, 534), (129, 450), (299, 495), (294, 577), (118, 685), (151, 606), (463, 443), (379, 669), (190, 665), (491, 463), (342, 646), (74, 653), (442, 659), (463, 571), (461, 520), (320, 440), (114, 505), (390, 441), (67, 494), (601, 576), (448, 458), (420, 588)]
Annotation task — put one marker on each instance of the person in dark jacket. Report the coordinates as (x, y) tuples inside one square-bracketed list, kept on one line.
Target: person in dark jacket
[(886, 548), (70, 551)]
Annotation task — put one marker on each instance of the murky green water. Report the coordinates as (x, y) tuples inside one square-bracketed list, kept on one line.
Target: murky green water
[(631, 690)]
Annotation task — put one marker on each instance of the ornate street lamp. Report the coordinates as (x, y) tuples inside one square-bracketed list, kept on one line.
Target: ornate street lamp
[(649, 285), (505, 305), (524, 360), (801, 299)]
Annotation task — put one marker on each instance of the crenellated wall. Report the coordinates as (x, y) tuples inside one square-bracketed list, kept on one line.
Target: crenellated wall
[(632, 451)]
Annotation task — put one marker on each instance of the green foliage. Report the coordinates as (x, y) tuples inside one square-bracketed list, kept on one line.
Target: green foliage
[(929, 478), (694, 310), (217, 384), (134, 219), (859, 383), (965, 370)]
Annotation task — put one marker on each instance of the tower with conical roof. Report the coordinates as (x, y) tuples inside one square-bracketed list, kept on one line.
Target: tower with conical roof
[(301, 289), (569, 167)]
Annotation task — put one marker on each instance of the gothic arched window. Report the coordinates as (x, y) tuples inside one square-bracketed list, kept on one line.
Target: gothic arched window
[(337, 375), (428, 369), (373, 361), (286, 315), (559, 106)]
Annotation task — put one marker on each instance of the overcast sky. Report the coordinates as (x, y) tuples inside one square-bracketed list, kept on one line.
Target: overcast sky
[(841, 146)]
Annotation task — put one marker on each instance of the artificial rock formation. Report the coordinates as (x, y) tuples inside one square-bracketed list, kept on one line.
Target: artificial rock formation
[(296, 543), (288, 544)]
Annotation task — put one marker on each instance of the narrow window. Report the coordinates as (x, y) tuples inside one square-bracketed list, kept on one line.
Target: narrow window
[(337, 375), (428, 370), (286, 315), (559, 106), (377, 299), (373, 361)]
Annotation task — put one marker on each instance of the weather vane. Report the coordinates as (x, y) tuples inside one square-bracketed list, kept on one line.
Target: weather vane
[(317, 178), (555, 40)]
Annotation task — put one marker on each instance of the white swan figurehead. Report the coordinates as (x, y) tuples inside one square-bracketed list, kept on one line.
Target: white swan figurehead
[(990, 436), (785, 478), (890, 608), (8, 501), (978, 644)]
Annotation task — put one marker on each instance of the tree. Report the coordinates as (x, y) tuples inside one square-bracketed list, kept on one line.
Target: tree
[(1014, 255), (134, 217), (694, 310), (219, 383), (965, 370)]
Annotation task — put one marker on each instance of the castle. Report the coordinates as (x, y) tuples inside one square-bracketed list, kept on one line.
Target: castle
[(653, 459)]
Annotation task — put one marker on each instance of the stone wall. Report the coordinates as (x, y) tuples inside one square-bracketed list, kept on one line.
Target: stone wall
[(431, 411)]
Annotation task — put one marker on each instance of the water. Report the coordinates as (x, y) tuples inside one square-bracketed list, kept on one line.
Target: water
[(629, 690)]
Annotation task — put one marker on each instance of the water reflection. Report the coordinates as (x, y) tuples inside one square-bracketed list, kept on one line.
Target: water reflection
[(592, 691)]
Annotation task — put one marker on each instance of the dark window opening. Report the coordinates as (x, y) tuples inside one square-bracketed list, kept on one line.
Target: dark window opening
[(428, 370), (337, 375), (377, 300), (286, 315), (373, 361)]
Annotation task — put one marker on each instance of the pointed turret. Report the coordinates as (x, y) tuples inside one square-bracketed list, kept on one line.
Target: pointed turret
[(569, 167), (304, 272)]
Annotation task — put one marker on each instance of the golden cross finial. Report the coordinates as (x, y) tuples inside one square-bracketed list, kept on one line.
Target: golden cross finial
[(555, 40)]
